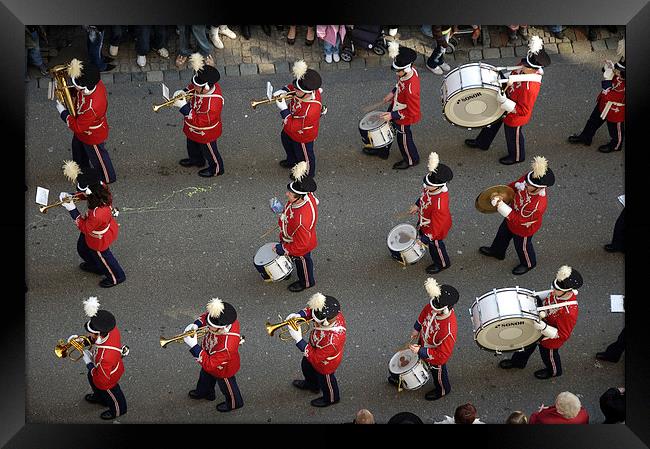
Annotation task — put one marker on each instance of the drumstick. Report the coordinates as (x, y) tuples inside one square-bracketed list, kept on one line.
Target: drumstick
[(373, 106), (402, 214), (269, 231)]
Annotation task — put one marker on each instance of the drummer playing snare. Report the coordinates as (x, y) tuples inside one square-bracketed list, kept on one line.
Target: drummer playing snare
[(435, 330)]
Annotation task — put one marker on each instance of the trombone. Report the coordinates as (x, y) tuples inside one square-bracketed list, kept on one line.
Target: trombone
[(186, 95), (200, 332), (43, 209), (255, 103), (79, 343), (295, 323)]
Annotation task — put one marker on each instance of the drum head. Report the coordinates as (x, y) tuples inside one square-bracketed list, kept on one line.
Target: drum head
[(473, 108), (401, 237), (265, 254), (403, 361), (509, 334), (372, 120)]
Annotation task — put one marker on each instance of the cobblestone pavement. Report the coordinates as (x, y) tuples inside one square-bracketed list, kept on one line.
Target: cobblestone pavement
[(263, 54)]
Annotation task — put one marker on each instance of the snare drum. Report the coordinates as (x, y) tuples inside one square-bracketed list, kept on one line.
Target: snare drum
[(404, 244), (412, 371), (272, 266), (503, 319), (375, 132), (469, 95)]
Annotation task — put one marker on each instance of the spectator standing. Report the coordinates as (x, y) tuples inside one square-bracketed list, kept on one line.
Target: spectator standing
[(144, 42), (309, 39), (332, 36)]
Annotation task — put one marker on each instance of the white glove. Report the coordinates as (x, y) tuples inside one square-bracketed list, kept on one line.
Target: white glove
[(296, 335), (547, 331), (191, 341), (180, 102), (72, 337), (70, 205), (88, 357), (539, 326), (178, 92), (520, 185), (495, 200), (542, 314), (191, 327), (61, 108), (282, 104), (508, 105), (279, 92), (292, 315), (501, 97), (504, 209), (64, 195)]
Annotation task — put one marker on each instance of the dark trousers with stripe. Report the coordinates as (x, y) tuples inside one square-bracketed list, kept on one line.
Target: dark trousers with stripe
[(227, 385), (297, 152), (406, 145), (113, 398), (550, 357), (523, 245), (94, 156), (438, 252), (515, 141), (198, 153), (304, 269), (103, 261), (326, 382), (616, 130)]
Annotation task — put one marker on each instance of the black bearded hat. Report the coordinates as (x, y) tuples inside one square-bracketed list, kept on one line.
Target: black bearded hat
[(220, 313)]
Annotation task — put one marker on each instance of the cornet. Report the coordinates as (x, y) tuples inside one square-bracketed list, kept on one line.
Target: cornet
[(186, 95), (79, 343), (200, 332), (295, 323), (255, 103), (43, 209)]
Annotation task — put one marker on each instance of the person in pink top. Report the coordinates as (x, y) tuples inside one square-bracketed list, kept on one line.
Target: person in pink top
[(332, 37), (567, 410)]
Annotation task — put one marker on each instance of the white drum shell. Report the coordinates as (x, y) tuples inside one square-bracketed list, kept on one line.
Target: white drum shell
[(277, 267), (413, 375), (411, 251), (378, 132)]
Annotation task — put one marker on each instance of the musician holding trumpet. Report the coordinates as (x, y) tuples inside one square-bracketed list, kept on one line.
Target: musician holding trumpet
[(218, 354)]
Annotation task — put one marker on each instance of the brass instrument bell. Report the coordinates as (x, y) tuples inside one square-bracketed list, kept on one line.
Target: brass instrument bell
[(65, 349), (295, 323), (60, 89), (483, 201)]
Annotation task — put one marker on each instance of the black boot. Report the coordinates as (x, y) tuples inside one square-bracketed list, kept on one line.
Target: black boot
[(246, 31)]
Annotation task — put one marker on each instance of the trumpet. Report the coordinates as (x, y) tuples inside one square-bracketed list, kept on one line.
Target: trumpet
[(186, 95), (200, 332), (65, 349), (295, 323), (59, 88), (255, 103), (43, 209)]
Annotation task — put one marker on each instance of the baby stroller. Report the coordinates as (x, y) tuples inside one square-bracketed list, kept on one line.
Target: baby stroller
[(363, 36)]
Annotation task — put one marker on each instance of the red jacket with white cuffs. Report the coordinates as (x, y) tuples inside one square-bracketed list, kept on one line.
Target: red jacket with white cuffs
[(298, 226), (325, 348), (524, 95), (90, 125), (406, 99), (437, 335), (98, 227), (218, 354), (202, 123), (612, 99), (108, 361), (434, 218), (301, 120), (563, 319), (527, 210)]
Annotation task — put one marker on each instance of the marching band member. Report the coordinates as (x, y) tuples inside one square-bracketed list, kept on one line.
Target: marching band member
[(323, 353), (610, 106), (105, 367), (218, 354), (556, 326), (436, 331), (405, 106), (298, 226), (522, 222), (90, 126), (202, 118), (434, 218), (301, 116), (518, 102), (98, 227)]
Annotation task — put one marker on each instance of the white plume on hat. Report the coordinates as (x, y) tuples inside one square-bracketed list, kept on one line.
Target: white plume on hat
[(563, 273), (197, 61), (535, 44), (71, 170), (434, 160), (299, 69), (299, 170), (393, 49), (540, 165), (316, 302), (620, 50), (432, 287), (215, 307), (91, 306), (74, 68)]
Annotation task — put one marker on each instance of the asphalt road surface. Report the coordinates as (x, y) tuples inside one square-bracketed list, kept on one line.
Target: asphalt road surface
[(185, 239)]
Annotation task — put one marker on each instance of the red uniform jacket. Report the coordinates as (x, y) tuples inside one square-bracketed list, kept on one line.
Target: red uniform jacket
[(325, 347), (612, 98), (108, 361), (406, 101), (98, 227), (524, 94), (203, 123), (298, 226), (219, 354), (437, 335), (564, 319), (301, 124), (90, 125), (551, 416), (527, 210), (434, 218)]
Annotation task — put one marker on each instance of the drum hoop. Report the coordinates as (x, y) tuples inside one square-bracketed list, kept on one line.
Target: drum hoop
[(408, 247), (417, 360), (500, 351), (375, 128)]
